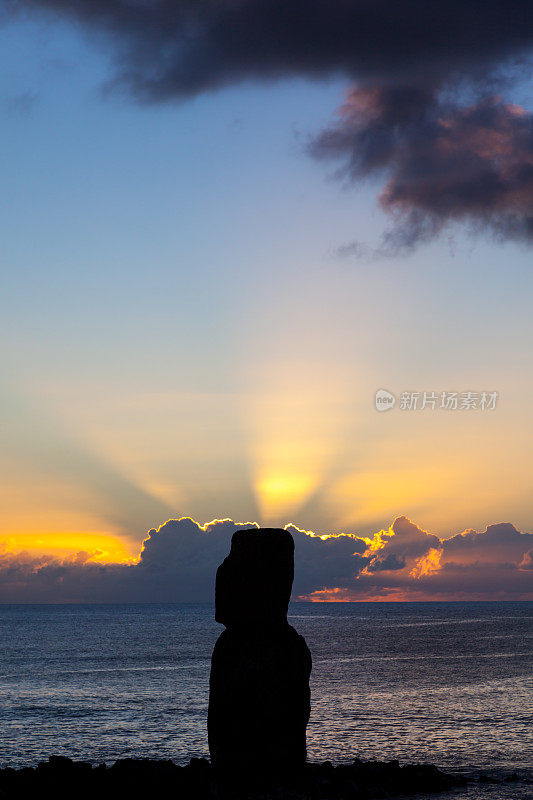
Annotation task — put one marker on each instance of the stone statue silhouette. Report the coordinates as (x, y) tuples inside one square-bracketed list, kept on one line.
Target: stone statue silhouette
[(259, 700)]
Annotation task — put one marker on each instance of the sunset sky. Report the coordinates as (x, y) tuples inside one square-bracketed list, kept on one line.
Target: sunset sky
[(218, 242)]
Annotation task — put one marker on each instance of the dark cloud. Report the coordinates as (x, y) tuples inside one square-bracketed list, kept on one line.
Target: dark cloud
[(407, 541), (317, 558), (178, 563), (444, 160), (498, 543), (180, 559), (177, 48), (390, 561)]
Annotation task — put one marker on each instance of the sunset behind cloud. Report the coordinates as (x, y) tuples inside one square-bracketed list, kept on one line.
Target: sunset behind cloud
[(178, 561), (226, 227)]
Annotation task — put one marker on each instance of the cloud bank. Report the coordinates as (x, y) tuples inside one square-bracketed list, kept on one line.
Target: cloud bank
[(178, 562), (424, 116)]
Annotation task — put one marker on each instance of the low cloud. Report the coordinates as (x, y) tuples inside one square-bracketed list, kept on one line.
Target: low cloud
[(408, 563), (497, 544), (390, 561), (178, 563)]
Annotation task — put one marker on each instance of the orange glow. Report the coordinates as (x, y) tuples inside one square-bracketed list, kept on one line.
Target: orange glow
[(342, 595), (372, 494), (427, 564), (335, 595), (99, 547), (412, 595)]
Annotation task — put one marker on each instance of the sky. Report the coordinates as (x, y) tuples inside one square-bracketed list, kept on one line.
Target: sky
[(224, 228)]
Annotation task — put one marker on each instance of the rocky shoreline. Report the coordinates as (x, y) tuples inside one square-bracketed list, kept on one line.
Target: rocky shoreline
[(61, 777)]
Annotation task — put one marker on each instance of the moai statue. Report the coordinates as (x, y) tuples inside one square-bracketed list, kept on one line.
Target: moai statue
[(259, 700)]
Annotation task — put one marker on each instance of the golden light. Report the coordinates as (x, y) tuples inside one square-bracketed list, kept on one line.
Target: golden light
[(98, 547), (283, 493), (428, 564), (296, 414), (373, 494)]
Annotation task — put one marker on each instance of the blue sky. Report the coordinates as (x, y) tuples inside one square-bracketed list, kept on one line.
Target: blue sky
[(174, 314)]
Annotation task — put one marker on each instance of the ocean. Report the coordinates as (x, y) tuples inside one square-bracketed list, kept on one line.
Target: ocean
[(444, 683)]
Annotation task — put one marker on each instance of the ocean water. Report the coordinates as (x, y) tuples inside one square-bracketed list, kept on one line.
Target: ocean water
[(446, 683)]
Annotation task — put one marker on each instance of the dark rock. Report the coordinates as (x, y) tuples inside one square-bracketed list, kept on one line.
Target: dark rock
[(60, 761), (138, 779), (259, 701), (511, 778), (488, 779)]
